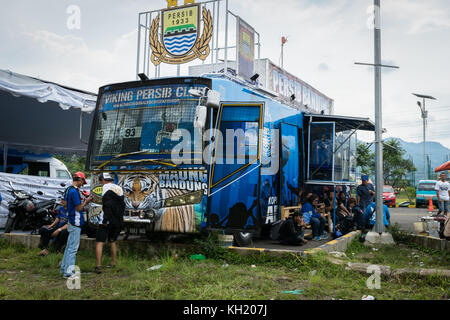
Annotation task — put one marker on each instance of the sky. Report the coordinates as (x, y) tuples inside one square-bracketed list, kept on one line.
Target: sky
[(325, 39)]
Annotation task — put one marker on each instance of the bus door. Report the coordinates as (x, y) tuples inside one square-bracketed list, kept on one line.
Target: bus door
[(235, 169), (289, 165)]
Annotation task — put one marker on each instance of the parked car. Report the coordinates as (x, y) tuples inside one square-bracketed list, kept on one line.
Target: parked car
[(425, 191), (389, 196)]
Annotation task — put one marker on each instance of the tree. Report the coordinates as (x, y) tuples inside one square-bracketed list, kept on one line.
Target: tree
[(73, 164), (396, 168), (365, 159)]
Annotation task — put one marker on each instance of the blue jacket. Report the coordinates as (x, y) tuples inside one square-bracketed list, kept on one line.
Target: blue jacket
[(309, 212), (371, 217)]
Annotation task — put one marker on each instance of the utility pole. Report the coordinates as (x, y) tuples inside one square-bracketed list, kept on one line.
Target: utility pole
[(378, 122), (379, 227), (424, 117), (283, 42)]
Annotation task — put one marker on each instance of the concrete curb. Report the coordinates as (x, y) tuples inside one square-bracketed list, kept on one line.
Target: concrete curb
[(340, 244), (32, 242), (431, 242)]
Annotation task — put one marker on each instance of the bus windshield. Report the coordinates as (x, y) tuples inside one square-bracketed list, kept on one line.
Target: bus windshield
[(151, 120)]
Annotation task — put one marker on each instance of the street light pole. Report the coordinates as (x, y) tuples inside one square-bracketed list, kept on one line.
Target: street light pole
[(379, 227), (424, 117)]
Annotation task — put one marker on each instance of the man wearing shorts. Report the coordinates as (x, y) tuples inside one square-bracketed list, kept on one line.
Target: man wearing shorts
[(112, 220), (443, 193)]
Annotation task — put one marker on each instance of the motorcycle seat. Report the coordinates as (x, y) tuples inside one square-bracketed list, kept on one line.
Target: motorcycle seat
[(44, 204)]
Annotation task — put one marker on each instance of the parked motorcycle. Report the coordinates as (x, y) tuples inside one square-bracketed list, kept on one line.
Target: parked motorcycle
[(25, 213)]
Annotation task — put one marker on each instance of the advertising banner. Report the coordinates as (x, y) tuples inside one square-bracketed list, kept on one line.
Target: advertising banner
[(245, 49), (286, 85)]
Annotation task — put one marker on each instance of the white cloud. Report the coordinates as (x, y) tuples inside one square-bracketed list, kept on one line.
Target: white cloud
[(421, 16), (69, 60)]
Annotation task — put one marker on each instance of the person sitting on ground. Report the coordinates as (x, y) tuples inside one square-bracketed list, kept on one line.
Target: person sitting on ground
[(315, 219), (57, 231), (357, 213), (370, 216), (343, 211), (292, 230)]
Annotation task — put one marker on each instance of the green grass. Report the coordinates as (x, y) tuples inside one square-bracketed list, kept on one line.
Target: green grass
[(24, 275)]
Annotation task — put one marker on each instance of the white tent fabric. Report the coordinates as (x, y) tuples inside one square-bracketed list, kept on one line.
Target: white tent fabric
[(20, 85)]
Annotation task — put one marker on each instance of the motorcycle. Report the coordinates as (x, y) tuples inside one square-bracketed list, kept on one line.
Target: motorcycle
[(25, 213)]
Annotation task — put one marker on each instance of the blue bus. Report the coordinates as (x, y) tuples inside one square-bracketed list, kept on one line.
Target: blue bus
[(194, 154)]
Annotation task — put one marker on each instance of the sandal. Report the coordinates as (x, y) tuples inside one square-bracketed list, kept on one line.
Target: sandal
[(111, 266), (43, 253), (98, 270)]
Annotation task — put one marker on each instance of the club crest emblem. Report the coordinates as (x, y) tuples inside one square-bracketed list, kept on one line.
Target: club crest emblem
[(181, 41)]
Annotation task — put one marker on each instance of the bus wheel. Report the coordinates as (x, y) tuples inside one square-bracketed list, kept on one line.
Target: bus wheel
[(242, 239)]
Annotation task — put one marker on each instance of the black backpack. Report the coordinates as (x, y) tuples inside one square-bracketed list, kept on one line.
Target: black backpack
[(275, 229)]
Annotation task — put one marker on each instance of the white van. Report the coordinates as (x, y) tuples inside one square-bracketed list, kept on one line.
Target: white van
[(38, 166)]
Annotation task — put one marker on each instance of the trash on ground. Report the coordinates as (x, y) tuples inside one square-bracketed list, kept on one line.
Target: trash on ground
[(338, 254), (225, 265), (155, 268), (313, 273), (294, 292), (368, 297), (253, 266), (198, 257), (374, 249)]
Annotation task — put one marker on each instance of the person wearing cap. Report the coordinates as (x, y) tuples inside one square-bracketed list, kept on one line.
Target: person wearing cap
[(365, 192), (112, 219), (75, 208)]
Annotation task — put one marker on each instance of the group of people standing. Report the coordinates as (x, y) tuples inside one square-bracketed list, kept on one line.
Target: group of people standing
[(70, 221)]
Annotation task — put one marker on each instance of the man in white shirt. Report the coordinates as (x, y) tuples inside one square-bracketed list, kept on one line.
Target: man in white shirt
[(443, 193)]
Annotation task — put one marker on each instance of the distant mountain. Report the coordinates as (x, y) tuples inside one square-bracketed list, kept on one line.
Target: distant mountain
[(437, 153)]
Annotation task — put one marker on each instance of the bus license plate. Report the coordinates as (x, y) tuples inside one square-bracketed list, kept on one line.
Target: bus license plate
[(138, 231)]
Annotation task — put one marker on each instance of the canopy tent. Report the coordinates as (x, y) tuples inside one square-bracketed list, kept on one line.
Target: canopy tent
[(444, 167), (343, 122), (43, 117)]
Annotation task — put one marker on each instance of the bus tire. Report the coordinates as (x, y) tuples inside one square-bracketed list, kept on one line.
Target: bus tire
[(242, 239)]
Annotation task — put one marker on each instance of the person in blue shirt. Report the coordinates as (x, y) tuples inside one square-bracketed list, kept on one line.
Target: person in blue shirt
[(56, 231), (75, 217), (315, 219), (365, 192), (370, 216)]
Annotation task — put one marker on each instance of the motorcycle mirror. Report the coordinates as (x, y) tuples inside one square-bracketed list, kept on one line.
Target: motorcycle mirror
[(10, 184), (40, 193), (63, 185)]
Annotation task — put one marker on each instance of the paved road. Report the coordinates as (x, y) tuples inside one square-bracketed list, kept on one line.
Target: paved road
[(407, 216)]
